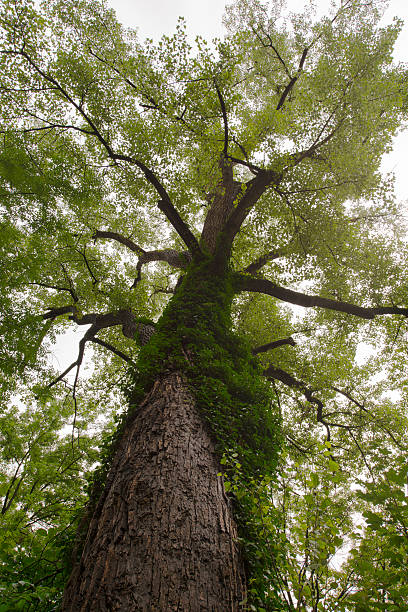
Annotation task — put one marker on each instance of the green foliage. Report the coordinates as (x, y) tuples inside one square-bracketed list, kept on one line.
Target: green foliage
[(380, 554), (41, 485)]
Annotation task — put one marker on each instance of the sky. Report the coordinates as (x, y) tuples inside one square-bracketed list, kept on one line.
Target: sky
[(156, 17)]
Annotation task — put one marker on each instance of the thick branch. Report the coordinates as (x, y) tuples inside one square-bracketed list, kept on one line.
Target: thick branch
[(252, 167), (273, 345), (119, 238), (263, 260), (180, 226), (224, 117), (292, 81), (125, 318), (261, 285), (177, 259), (53, 313), (250, 194), (174, 258)]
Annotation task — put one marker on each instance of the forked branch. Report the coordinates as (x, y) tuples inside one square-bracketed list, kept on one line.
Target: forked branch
[(250, 194), (125, 318)]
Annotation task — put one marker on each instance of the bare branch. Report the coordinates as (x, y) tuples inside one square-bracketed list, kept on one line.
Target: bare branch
[(180, 226), (119, 238), (224, 117), (263, 260), (111, 348), (261, 285), (273, 345)]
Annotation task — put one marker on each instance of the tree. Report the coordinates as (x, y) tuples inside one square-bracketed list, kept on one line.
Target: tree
[(236, 170)]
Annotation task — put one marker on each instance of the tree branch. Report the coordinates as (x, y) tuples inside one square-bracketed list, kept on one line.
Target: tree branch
[(271, 46), (250, 194), (56, 288), (111, 348), (364, 409), (123, 317), (291, 381), (53, 313), (261, 285), (293, 80), (252, 167), (180, 226), (77, 363), (174, 258), (224, 117), (263, 260), (273, 345), (165, 204), (119, 238)]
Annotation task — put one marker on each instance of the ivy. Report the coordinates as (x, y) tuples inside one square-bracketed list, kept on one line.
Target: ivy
[(195, 336)]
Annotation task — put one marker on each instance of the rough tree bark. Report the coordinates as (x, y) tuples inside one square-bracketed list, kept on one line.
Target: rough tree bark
[(162, 536)]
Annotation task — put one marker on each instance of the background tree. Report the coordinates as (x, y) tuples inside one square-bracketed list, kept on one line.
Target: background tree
[(167, 198)]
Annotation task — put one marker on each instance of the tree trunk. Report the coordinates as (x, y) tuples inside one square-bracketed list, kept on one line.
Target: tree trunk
[(162, 537)]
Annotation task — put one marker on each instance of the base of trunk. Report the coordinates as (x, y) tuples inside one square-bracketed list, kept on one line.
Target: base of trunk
[(163, 537)]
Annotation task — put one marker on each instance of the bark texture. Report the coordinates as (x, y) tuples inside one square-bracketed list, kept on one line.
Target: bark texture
[(222, 204), (162, 537)]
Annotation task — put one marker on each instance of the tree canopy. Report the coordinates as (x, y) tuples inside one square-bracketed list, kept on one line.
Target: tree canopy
[(116, 160)]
